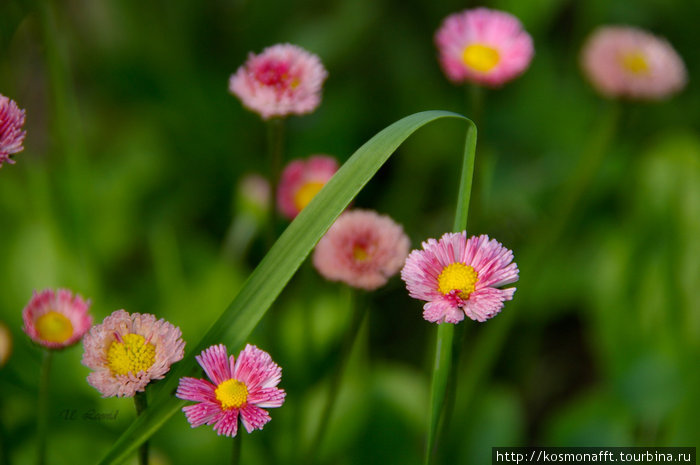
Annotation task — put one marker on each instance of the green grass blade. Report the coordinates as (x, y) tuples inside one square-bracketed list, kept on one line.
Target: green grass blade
[(272, 274), (445, 333)]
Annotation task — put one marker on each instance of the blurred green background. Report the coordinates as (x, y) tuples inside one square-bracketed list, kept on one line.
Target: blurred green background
[(127, 187)]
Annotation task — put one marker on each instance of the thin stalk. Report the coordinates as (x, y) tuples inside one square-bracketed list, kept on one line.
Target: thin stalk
[(43, 407), (359, 310), (489, 345), (275, 147), (141, 402), (444, 345), (236, 449)]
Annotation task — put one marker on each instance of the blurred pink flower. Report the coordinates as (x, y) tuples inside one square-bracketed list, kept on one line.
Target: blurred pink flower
[(362, 249), (5, 343), (56, 319), (484, 46), (284, 79), (457, 276), (127, 351), (245, 386), (11, 134), (628, 62), (301, 180), (254, 190)]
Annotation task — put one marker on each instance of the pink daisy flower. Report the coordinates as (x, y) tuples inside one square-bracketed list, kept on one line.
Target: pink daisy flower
[(457, 276), (484, 46), (127, 351), (11, 134), (628, 62), (284, 79), (245, 386), (362, 249), (5, 343), (301, 180), (56, 319)]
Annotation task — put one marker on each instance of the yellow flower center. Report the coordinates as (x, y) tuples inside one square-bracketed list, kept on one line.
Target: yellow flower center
[(231, 393), (635, 63), (305, 193), (460, 277), (359, 253), (132, 355), (481, 58), (54, 327)]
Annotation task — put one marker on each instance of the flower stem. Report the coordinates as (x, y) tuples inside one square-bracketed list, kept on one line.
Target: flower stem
[(43, 406), (236, 449), (275, 147), (359, 310), (442, 365), (141, 402)]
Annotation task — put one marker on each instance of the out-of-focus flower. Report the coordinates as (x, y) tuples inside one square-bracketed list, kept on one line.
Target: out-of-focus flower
[(254, 194), (5, 343), (484, 46), (362, 249), (245, 386), (623, 61), (457, 276), (56, 319), (127, 351), (301, 180), (11, 133), (284, 79)]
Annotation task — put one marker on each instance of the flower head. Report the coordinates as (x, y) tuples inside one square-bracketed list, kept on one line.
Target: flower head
[(629, 62), (5, 343), (127, 351), (301, 180), (362, 249), (458, 276), (244, 386), (284, 79), (11, 134), (56, 319), (484, 46)]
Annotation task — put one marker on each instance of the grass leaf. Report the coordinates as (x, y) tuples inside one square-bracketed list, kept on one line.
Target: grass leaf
[(269, 278)]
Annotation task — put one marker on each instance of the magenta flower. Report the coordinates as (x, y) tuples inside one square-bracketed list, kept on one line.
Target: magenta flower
[(245, 386), (301, 180), (457, 276), (56, 319), (362, 249), (11, 134), (284, 79), (484, 46), (128, 351), (628, 62)]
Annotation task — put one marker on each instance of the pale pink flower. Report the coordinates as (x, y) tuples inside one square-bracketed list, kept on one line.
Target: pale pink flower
[(128, 351), (11, 134), (301, 180), (457, 276), (484, 46), (284, 79), (5, 343), (362, 249), (244, 387), (56, 319), (623, 61), (254, 192)]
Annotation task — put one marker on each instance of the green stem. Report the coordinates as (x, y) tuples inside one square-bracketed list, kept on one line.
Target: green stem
[(359, 310), (141, 402), (43, 406), (442, 365), (236, 450), (494, 336), (275, 147)]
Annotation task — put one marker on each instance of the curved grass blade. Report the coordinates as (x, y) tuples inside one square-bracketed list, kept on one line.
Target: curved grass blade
[(277, 268)]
